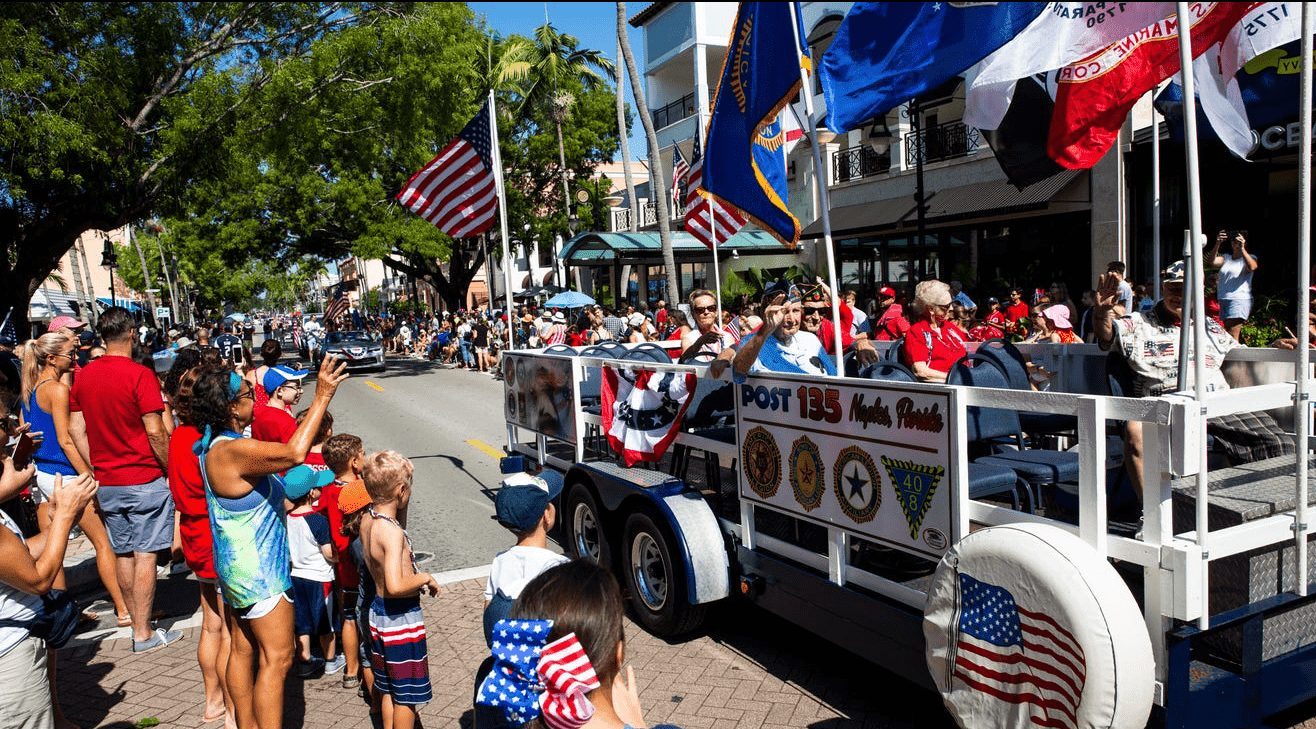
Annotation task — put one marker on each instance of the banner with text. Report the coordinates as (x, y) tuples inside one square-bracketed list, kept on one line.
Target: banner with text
[(539, 394), (869, 459)]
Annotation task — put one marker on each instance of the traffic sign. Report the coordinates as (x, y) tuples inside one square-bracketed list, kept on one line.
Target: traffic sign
[(162, 312)]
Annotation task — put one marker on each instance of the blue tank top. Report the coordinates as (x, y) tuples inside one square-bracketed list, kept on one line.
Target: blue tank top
[(251, 539), (49, 456)]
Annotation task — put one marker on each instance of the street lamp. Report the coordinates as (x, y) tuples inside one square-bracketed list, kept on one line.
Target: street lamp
[(110, 259)]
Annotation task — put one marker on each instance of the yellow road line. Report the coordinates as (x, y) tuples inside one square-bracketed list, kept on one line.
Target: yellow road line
[(486, 448), (373, 386)]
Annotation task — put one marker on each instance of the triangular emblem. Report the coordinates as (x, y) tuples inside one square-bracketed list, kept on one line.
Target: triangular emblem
[(914, 484)]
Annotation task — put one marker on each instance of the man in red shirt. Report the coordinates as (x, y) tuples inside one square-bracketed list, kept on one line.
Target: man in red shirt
[(1017, 309), (275, 422), (891, 323), (117, 416)]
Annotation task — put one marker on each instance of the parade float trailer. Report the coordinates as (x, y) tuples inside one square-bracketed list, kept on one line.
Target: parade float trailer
[(1018, 584)]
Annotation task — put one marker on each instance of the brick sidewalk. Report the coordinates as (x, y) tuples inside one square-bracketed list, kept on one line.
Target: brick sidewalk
[(754, 671)]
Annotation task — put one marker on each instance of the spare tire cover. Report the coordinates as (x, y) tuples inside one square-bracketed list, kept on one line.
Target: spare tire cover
[(1027, 626)]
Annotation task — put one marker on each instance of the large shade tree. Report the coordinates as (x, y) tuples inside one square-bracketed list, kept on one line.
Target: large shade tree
[(110, 111)]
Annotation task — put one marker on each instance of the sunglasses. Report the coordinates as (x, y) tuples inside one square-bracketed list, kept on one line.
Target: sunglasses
[(815, 310), (703, 309)]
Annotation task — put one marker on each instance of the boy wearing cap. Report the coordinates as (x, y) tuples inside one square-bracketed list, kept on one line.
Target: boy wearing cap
[(524, 506), (311, 549), (274, 421), (352, 502)]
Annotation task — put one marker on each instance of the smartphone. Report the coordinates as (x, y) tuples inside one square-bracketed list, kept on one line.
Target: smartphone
[(23, 450)]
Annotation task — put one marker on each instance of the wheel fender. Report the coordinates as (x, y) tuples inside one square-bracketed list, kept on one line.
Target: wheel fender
[(700, 544), (1026, 625)]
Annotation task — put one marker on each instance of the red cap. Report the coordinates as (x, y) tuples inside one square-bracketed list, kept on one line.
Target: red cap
[(887, 292)]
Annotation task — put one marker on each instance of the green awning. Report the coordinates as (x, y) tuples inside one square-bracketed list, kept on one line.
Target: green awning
[(591, 248)]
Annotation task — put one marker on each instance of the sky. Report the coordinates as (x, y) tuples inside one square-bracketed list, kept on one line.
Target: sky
[(593, 23)]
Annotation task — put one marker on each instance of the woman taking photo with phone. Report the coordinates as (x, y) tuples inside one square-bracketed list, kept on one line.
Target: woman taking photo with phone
[(45, 410)]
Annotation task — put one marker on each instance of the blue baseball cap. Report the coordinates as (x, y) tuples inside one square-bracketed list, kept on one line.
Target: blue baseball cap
[(521, 501), (300, 480), (277, 376)]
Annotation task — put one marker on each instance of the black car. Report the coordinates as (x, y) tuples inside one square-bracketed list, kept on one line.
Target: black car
[(356, 348)]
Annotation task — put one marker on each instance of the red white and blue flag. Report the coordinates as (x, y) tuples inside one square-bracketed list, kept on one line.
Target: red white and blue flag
[(1018, 656), (705, 218), (642, 411), (338, 306), (680, 168), (456, 190)]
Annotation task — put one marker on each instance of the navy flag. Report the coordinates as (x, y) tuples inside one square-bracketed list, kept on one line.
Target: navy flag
[(745, 155)]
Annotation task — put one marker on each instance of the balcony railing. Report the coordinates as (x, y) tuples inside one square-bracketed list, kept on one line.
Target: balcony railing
[(674, 112), (856, 163), (944, 141), (620, 218)]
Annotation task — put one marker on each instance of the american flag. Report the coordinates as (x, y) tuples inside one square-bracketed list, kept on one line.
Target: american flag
[(1018, 656), (680, 168), (700, 211), (337, 306), (455, 191)]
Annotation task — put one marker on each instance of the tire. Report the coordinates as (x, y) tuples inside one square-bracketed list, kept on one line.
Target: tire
[(582, 522), (656, 580)]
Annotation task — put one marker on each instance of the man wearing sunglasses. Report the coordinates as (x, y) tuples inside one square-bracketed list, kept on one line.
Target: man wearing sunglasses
[(1149, 342), (274, 422), (706, 338), (781, 344)]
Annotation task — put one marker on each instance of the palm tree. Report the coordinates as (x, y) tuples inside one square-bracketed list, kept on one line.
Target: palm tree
[(659, 185), (505, 62), (556, 62), (623, 134)]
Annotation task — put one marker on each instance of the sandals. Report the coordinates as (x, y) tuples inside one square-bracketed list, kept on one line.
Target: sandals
[(89, 616)]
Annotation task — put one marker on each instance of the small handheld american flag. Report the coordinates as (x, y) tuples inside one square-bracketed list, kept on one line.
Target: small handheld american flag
[(680, 168), (1018, 656), (456, 190)]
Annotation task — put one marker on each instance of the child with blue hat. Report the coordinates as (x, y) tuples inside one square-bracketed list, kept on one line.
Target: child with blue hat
[(310, 546)]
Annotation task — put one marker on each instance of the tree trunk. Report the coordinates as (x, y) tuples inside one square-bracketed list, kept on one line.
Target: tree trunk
[(624, 133), (659, 187), (562, 160), (146, 275), (451, 287)]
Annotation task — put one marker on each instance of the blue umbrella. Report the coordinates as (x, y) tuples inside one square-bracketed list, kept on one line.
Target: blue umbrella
[(569, 300)]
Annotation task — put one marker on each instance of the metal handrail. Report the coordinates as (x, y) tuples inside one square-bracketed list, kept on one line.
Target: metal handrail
[(673, 112), (856, 163), (944, 141)]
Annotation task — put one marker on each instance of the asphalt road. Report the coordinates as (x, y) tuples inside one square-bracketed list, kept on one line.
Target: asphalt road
[(449, 422)]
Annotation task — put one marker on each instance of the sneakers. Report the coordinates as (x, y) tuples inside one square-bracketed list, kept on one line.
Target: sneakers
[(308, 669), (334, 666), (159, 639)]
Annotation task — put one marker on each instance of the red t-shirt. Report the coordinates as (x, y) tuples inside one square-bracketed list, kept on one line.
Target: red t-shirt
[(113, 393), (274, 425), (1015, 312), (315, 461), (185, 472), (847, 325), (344, 569), (938, 351), (891, 325)]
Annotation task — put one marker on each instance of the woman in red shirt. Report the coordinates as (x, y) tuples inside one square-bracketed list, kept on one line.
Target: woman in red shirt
[(933, 344), (184, 473)]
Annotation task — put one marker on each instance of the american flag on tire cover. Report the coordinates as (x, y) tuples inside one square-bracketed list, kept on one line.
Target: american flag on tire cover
[(701, 211), (455, 191), (642, 411), (1018, 656)]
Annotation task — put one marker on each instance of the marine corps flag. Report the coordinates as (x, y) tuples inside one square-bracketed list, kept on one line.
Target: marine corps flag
[(744, 155)]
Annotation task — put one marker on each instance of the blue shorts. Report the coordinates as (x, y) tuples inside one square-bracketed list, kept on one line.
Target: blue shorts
[(1235, 309), (138, 518), (313, 608)]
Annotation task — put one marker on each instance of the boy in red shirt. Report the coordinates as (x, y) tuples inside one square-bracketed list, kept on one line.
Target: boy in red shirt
[(275, 422), (344, 454)]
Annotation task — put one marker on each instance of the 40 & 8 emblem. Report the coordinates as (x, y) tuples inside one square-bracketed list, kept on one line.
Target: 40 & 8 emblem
[(762, 459), (856, 484), (808, 475)]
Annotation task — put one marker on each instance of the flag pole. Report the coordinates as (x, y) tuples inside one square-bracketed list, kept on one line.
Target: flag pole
[(497, 155), (1156, 198), (1195, 265), (1301, 412), (822, 197)]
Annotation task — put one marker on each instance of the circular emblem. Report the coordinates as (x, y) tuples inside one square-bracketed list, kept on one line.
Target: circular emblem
[(935, 538), (762, 461), (807, 473), (856, 483)]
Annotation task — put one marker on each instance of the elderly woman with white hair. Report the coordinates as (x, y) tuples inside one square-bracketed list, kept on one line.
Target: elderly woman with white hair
[(934, 344)]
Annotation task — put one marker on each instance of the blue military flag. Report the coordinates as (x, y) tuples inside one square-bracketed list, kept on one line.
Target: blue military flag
[(745, 155), (885, 54)]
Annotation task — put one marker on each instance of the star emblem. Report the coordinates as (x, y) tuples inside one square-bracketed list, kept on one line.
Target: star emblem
[(857, 484)]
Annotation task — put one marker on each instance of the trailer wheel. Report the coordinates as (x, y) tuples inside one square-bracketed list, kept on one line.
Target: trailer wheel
[(656, 581), (584, 527)]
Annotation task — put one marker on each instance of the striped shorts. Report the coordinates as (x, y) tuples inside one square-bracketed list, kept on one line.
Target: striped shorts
[(398, 653)]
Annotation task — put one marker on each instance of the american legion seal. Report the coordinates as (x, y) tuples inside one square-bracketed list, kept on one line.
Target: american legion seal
[(762, 461), (857, 485), (807, 473)]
